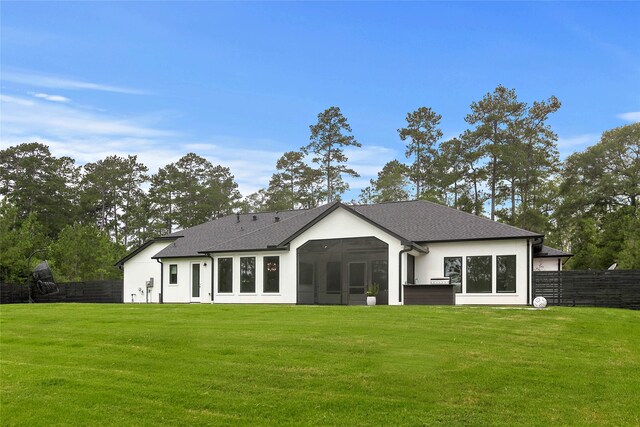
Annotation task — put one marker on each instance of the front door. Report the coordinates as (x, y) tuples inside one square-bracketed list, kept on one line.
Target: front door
[(195, 282)]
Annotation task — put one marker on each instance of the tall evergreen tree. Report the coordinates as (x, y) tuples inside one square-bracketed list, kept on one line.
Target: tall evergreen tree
[(390, 186), (192, 191), (295, 184), (111, 193), (39, 183), (422, 132), (532, 162), (495, 118), (328, 138)]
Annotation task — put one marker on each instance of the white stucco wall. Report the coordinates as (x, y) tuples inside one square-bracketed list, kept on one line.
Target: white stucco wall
[(138, 270), (431, 265), (181, 291), (547, 264)]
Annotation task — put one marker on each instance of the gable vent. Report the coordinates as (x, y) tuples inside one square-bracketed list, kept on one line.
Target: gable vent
[(276, 219), (255, 217)]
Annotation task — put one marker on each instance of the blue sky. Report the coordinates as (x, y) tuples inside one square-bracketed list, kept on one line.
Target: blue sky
[(240, 83)]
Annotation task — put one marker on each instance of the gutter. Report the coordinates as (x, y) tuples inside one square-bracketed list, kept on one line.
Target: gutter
[(161, 296), (530, 262), (405, 250)]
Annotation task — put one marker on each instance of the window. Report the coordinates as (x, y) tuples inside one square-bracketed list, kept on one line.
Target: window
[(334, 279), (173, 274), (453, 270), (225, 275), (506, 273), (479, 274), (271, 275), (247, 274)]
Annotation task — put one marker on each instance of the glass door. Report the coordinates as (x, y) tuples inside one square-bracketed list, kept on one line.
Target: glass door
[(195, 282)]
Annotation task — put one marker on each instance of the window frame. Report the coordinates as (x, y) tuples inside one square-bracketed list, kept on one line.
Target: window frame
[(266, 273), (467, 281), (515, 274), (230, 260), (243, 276), (173, 276)]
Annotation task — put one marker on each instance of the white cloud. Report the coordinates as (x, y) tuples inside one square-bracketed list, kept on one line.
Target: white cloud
[(20, 115), (53, 98), (632, 116), (42, 80), (571, 144)]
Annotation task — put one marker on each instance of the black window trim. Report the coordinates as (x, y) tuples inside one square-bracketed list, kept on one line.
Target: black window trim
[(515, 287), (466, 273), (171, 276), (264, 275), (254, 291), (218, 267)]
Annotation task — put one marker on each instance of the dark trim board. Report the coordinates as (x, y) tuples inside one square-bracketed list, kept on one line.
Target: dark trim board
[(429, 295), (226, 251), (479, 239)]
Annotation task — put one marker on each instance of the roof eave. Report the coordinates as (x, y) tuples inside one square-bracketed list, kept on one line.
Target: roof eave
[(144, 246), (479, 239), (267, 249)]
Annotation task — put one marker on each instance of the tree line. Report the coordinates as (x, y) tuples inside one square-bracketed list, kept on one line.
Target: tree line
[(506, 163)]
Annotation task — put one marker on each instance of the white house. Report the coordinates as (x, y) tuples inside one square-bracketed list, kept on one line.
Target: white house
[(415, 252)]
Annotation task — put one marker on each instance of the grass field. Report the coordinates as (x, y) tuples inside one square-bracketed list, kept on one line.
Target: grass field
[(258, 365)]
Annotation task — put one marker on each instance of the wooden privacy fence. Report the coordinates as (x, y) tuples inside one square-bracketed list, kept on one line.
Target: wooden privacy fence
[(107, 291), (595, 288)]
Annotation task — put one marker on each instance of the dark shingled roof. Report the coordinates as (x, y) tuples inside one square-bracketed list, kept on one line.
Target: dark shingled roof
[(547, 252), (422, 221), (415, 221), (226, 234)]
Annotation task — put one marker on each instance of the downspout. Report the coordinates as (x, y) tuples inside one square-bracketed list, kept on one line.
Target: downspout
[(405, 250), (212, 287), (530, 263), (161, 296)]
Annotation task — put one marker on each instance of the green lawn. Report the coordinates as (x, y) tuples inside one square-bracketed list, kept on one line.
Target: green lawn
[(255, 365)]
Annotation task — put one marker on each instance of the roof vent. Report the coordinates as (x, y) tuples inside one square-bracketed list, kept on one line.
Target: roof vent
[(255, 217), (276, 219), (237, 217)]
